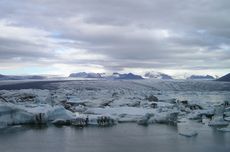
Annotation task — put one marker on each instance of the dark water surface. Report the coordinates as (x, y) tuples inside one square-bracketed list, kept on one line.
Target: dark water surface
[(120, 138)]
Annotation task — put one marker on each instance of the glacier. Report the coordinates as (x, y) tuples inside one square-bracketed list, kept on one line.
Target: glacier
[(106, 103)]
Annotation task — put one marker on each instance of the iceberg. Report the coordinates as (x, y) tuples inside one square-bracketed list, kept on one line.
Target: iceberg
[(106, 102), (187, 130), (224, 129), (218, 121), (218, 118), (11, 114)]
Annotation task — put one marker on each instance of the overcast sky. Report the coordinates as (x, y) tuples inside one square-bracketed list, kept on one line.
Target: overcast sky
[(64, 36)]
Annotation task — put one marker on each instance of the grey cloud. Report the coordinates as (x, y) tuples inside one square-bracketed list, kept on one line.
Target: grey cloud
[(197, 29), (16, 48)]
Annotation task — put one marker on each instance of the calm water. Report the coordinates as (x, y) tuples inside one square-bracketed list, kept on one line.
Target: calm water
[(120, 138)]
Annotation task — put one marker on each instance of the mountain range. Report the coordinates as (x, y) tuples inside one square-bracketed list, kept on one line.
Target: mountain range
[(118, 76), (85, 75), (114, 76)]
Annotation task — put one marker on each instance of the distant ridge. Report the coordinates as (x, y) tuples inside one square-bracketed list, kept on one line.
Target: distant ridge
[(17, 77), (85, 75), (114, 76), (225, 78), (201, 77)]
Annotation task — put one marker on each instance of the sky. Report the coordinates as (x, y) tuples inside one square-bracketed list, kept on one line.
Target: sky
[(65, 36)]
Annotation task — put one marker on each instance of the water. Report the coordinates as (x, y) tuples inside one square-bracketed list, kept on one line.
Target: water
[(120, 138)]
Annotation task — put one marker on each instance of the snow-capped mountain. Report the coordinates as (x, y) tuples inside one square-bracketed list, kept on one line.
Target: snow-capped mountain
[(191, 76), (224, 78), (113, 76), (157, 75), (124, 76), (85, 75), (200, 77)]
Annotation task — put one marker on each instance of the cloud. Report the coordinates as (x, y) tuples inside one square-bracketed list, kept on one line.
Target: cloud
[(115, 35)]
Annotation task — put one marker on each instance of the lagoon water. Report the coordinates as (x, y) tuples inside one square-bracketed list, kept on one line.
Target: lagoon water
[(119, 138)]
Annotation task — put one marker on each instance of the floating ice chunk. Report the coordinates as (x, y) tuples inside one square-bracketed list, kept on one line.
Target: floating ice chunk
[(125, 102), (219, 110), (105, 121), (194, 115), (183, 120), (164, 117), (151, 98), (129, 118), (124, 114), (80, 108), (218, 121), (120, 110), (197, 114), (161, 105), (61, 122), (225, 129), (11, 114), (145, 119), (205, 120), (188, 133), (82, 120), (184, 129), (227, 114), (227, 118), (59, 112), (25, 95), (74, 100), (3, 125)]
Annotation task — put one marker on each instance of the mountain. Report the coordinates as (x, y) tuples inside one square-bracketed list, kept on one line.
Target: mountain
[(85, 75), (225, 78), (18, 77), (113, 76), (200, 77), (157, 75), (129, 76), (2, 76)]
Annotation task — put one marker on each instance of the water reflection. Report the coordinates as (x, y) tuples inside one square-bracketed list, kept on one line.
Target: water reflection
[(122, 137)]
